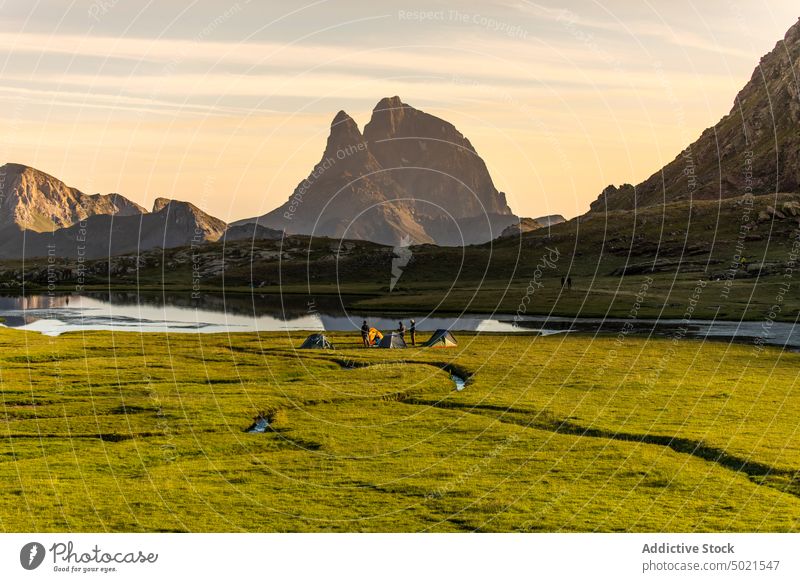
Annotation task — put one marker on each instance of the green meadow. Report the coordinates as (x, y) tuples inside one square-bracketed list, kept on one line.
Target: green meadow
[(137, 432)]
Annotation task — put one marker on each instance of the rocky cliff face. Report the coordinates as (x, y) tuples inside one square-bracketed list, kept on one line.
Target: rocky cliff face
[(755, 149), (33, 200), (411, 178), (433, 162)]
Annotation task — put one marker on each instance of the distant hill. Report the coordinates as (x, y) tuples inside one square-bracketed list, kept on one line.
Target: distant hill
[(33, 200), (171, 224), (42, 216), (410, 178), (251, 231), (755, 149)]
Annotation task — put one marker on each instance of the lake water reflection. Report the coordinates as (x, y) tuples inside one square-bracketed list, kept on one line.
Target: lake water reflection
[(54, 315)]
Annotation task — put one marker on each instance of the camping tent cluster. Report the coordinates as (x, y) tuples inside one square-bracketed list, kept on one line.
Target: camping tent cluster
[(441, 338)]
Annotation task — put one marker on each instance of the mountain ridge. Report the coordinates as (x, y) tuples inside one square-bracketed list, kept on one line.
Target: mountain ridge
[(176, 224), (34, 200), (754, 149), (42, 216)]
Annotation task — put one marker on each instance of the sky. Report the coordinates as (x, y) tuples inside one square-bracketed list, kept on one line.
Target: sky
[(228, 104)]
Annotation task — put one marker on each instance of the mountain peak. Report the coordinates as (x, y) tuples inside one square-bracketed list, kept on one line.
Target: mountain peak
[(343, 119), (174, 206), (160, 204), (387, 118), (389, 103), (15, 167), (123, 206), (344, 128), (344, 137)]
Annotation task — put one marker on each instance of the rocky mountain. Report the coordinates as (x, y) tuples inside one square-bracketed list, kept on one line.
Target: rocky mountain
[(347, 195), (171, 224), (33, 200), (530, 224), (41, 216), (410, 178), (754, 149)]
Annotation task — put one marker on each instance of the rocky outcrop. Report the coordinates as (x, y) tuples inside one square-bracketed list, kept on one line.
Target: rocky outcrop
[(613, 197), (33, 200), (411, 178), (530, 224), (755, 149)]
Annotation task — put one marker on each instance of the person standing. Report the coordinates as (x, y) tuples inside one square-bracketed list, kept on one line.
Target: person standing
[(413, 331), (401, 329), (365, 334)]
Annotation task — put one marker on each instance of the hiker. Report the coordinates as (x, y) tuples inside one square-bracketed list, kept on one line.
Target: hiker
[(562, 282), (401, 330), (569, 282), (365, 334), (413, 331)]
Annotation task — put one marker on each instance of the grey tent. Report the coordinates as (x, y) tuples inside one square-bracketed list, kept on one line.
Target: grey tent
[(392, 340), (316, 341), (441, 338)]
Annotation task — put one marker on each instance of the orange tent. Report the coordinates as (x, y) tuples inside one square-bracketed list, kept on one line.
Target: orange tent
[(374, 336)]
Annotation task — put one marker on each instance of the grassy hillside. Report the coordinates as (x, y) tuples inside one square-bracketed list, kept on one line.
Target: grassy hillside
[(127, 432)]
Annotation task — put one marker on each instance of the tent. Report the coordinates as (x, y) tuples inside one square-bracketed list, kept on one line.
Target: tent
[(316, 341), (392, 340), (441, 338), (374, 336)]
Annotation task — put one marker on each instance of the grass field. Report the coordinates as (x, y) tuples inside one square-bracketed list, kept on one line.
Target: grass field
[(145, 432)]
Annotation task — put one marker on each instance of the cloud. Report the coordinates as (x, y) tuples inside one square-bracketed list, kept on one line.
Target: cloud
[(204, 78), (623, 28)]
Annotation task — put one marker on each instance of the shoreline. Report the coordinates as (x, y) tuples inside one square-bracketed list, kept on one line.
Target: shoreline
[(673, 314)]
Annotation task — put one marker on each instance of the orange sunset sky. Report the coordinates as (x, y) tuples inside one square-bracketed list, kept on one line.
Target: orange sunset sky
[(228, 104)]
